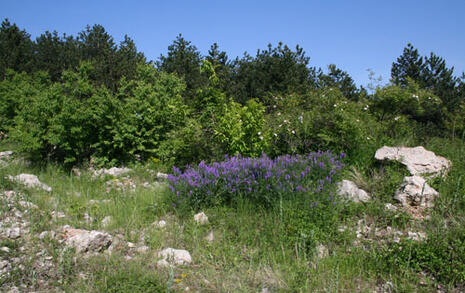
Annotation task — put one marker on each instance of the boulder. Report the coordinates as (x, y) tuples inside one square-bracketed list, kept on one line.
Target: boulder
[(171, 256), (30, 181), (418, 160), (414, 191), (87, 241), (349, 190)]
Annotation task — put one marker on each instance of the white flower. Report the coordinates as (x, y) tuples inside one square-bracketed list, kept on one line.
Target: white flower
[(397, 118), (279, 113), (261, 137), (368, 138), (259, 133), (280, 125), (301, 119), (274, 106), (293, 132), (335, 105), (285, 121), (357, 120), (275, 134), (366, 107)]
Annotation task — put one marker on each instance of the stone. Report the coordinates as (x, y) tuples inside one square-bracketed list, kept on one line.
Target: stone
[(416, 236), (201, 218), (58, 215), (418, 160), (27, 204), (112, 171), (171, 256), (349, 190), (30, 181), (87, 241), (5, 249), (13, 233), (88, 219), (414, 191), (106, 221), (159, 224), (76, 172)]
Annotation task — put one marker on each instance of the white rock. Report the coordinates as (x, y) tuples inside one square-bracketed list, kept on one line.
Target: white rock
[(159, 224), (27, 204), (201, 218), (87, 241), (416, 236), (13, 233), (349, 190), (58, 215), (3, 264), (112, 171), (210, 237), (174, 257), (106, 221), (418, 160), (88, 219), (131, 245), (30, 181), (44, 235), (414, 191), (5, 249)]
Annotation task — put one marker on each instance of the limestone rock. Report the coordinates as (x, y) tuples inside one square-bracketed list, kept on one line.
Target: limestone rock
[(321, 251), (349, 190), (30, 181), (418, 160), (201, 218), (112, 171), (171, 256), (414, 191), (87, 241)]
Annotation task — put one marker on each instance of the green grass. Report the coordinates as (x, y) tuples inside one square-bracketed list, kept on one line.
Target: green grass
[(253, 248)]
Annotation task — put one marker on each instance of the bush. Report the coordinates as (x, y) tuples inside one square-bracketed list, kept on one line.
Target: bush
[(260, 180), (325, 120)]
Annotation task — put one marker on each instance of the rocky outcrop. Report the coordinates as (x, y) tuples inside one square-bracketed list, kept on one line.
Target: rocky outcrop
[(349, 190), (418, 160), (414, 191), (30, 181)]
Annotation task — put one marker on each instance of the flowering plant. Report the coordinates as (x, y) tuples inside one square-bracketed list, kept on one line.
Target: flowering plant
[(262, 180)]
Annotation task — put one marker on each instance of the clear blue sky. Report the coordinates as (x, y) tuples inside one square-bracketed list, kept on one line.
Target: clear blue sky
[(355, 35)]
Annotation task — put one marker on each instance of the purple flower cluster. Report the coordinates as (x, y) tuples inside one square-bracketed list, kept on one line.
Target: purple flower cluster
[(261, 179)]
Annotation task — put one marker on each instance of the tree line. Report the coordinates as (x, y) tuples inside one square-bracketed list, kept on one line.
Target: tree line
[(133, 95)]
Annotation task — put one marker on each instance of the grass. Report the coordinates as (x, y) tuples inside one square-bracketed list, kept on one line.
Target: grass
[(253, 248)]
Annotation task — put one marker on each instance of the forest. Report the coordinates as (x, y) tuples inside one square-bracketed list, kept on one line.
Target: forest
[(221, 128)]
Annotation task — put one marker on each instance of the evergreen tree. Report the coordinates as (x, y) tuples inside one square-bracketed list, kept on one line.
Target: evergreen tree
[(340, 79), (184, 59), (15, 49), (409, 64)]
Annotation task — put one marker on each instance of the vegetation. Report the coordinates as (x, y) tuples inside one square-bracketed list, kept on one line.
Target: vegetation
[(244, 137)]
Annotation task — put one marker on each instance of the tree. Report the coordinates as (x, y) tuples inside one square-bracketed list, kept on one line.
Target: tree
[(15, 49), (184, 59), (340, 79), (429, 73), (55, 54), (277, 70), (219, 60), (409, 64)]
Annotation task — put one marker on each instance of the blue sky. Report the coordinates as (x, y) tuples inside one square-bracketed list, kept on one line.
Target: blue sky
[(355, 35)]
